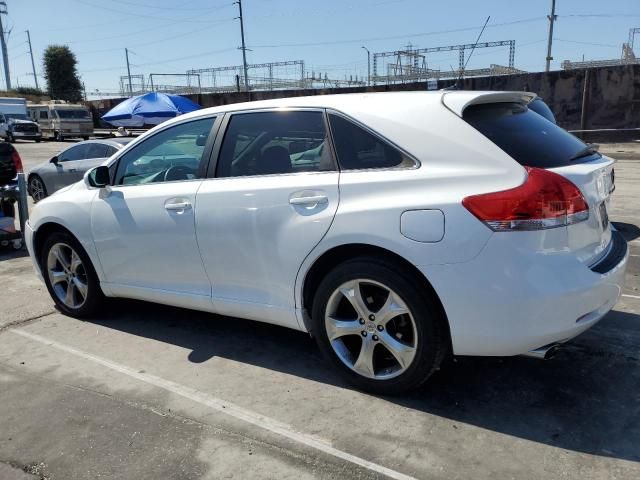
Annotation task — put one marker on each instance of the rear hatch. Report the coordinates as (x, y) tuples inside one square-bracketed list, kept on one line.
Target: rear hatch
[(533, 141)]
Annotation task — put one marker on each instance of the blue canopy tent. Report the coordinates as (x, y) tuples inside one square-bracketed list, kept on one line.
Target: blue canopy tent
[(148, 109)]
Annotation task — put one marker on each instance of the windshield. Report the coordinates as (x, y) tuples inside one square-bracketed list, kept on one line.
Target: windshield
[(529, 138), (75, 114), (17, 116)]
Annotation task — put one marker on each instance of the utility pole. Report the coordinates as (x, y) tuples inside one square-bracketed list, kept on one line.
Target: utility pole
[(33, 65), (126, 53), (5, 56), (552, 18), (368, 66), (243, 48)]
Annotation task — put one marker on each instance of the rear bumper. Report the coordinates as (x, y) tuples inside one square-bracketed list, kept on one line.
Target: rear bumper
[(510, 299)]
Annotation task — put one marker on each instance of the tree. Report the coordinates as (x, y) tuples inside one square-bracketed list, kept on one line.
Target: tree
[(61, 74)]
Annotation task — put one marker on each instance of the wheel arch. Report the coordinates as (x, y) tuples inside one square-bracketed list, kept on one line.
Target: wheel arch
[(51, 226), (339, 254), (40, 235)]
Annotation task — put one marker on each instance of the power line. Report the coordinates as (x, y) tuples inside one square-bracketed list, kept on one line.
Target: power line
[(159, 7), (152, 42), (396, 37), (190, 20)]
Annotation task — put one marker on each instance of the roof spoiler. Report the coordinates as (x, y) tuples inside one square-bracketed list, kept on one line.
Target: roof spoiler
[(458, 101)]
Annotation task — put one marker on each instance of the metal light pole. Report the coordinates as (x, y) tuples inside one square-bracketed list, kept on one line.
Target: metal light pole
[(33, 65), (243, 48), (126, 53), (3, 43), (368, 66), (552, 18)]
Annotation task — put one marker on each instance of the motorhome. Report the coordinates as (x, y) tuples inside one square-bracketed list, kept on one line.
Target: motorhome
[(62, 120), (14, 122)]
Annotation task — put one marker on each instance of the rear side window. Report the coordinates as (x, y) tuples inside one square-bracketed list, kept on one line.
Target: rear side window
[(96, 150), (359, 149), (527, 137), (269, 143)]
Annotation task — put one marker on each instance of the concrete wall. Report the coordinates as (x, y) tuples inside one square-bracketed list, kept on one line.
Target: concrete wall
[(613, 99)]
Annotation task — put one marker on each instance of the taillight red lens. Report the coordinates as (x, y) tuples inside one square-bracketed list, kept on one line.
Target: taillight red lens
[(17, 161), (544, 200)]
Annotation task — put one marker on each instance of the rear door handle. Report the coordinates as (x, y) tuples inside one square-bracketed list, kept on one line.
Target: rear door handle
[(178, 206), (313, 200)]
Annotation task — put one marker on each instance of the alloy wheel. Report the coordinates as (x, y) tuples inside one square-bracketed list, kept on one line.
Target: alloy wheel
[(37, 189), (371, 329), (67, 275)]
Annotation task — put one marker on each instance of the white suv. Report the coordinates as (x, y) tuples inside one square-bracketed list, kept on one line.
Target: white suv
[(396, 228)]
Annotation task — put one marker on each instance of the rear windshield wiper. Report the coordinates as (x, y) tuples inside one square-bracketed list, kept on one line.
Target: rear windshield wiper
[(590, 149)]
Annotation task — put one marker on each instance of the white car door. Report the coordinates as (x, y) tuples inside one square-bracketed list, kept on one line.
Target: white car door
[(273, 198), (143, 225)]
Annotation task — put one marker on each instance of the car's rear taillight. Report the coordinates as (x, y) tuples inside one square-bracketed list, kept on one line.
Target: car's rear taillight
[(544, 200), (17, 161)]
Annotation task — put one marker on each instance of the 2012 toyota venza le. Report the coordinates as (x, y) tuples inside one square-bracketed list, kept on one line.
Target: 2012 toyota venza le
[(396, 228)]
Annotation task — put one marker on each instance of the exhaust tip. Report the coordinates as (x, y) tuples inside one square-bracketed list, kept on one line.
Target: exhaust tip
[(543, 353)]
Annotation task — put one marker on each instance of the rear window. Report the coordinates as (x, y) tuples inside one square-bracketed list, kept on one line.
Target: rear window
[(527, 137)]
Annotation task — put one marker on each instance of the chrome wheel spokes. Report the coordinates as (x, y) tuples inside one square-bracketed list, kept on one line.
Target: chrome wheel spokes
[(371, 329), (37, 189), (67, 275)]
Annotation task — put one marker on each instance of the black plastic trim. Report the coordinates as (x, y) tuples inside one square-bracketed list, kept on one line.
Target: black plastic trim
[(614, 257)]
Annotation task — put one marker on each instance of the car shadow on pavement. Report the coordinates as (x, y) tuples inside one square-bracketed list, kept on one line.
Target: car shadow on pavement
[(8, 253), (585, 399), (629, 231)]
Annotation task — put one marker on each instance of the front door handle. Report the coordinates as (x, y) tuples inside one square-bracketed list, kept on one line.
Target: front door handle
[(178, 206), (312, 200)]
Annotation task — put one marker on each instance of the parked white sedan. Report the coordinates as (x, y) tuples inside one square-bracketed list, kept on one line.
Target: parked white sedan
[(396, 228)]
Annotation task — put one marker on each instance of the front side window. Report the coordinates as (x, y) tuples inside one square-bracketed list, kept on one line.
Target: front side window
[(359, 149), (79, 152), (44, 115), (170, 155), (267, 143)]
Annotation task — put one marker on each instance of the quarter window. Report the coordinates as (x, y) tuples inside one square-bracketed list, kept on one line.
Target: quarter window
[(170, 155), (359, 149), (266, 143)]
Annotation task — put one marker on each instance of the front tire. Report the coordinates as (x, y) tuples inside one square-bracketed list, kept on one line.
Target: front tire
[(385, 334), (37, 188), (10, 138), (58, 137), (69, 276)]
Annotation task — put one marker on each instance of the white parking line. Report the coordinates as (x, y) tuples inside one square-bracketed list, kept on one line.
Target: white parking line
[(222, 406), (631, 296)]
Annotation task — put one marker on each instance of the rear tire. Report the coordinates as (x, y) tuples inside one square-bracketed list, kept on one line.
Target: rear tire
[(58, 137), (10, 138), (388, 335), (69, 276)]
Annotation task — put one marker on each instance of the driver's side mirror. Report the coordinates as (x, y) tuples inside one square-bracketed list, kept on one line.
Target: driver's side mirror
[(54, 160), (98, 177)]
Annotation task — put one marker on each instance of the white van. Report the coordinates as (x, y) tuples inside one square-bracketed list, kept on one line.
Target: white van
[(14, 122), (62, 120)]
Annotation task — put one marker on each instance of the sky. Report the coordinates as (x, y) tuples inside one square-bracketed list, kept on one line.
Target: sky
[(172, 36)]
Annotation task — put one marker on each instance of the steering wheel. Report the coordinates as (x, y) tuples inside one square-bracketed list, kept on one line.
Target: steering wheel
[(177, 172)]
